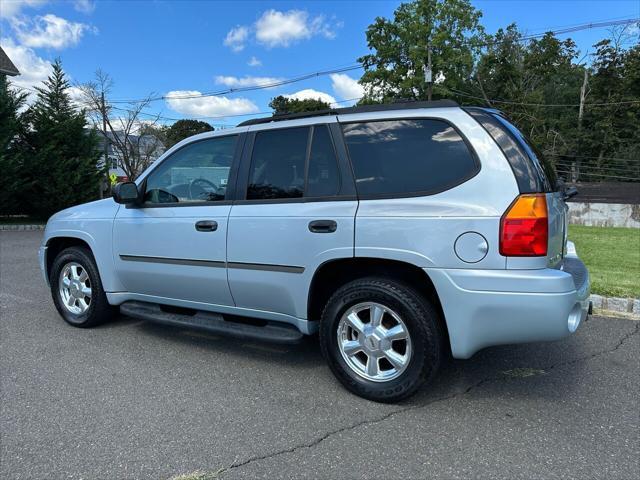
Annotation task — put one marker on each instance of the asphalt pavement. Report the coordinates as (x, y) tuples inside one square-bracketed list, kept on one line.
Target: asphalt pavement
[(133, 399)]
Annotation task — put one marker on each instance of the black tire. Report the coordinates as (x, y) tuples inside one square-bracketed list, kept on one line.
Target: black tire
[(99, 310), (421, 320)]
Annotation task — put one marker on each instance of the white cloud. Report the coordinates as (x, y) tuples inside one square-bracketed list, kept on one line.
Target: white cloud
[(254, 62), (33, 69), (208, 106), (84, 6), (246, 81), (49, 31), (311, 94), (346, 88), (280, 29), (11, 8), (236, 38)]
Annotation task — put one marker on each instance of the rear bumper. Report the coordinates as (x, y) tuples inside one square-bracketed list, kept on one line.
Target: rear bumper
[(494, 307)]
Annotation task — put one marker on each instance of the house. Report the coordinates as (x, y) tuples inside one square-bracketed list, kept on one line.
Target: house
[(148, 146), (6, 65)]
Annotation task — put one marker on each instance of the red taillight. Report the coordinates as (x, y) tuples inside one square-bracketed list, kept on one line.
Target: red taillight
[(524, 228)]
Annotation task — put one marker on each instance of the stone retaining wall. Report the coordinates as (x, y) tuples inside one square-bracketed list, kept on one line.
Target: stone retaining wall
[(604, 214)]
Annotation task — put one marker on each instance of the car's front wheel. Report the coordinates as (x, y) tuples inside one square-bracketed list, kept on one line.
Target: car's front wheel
[(77, 290), (381, 338)]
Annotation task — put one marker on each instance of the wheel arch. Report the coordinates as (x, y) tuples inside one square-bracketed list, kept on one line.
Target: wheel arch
[(332, 274), (55, 245)]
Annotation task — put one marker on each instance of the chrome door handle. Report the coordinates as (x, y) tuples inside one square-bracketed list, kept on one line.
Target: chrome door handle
[(323, 226), (206, 226)]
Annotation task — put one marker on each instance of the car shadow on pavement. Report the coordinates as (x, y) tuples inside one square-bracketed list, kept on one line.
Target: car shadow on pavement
[(526, 369)]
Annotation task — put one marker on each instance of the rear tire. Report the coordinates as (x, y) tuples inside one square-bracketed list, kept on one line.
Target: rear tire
[(396, 345), (77, 290)]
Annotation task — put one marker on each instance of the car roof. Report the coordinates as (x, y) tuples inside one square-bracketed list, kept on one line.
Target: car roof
[(388, 107)]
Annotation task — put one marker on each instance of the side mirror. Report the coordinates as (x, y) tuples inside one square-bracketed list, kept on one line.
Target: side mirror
[(570, 193), (126, 193)]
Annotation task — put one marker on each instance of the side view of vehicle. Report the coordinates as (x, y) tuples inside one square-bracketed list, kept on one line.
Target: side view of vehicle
[(400, 233)]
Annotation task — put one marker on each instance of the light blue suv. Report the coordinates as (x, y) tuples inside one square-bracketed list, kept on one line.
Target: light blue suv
[(398, 232)]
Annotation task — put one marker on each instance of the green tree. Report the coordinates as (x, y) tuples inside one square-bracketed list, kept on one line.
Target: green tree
[(282, 105), (11, 126), (61, 166), (183, 129), (395, 69)]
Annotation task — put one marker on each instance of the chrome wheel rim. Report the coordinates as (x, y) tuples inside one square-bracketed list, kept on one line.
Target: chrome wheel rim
[(374, 342), (75, 288)]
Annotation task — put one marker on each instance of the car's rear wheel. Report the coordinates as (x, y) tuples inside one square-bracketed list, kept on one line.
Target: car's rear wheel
[(381, 338), (77, 290)]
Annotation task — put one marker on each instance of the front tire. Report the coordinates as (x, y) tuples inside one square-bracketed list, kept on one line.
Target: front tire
[(77, 290), (381, 338)]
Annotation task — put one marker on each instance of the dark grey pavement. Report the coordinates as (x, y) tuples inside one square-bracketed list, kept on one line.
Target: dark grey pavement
[(137, 400)]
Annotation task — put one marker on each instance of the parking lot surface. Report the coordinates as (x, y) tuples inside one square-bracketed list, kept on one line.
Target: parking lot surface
[(136, 400)]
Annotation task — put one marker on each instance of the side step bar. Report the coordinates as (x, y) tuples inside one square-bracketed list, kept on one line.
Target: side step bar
[(273, 332)]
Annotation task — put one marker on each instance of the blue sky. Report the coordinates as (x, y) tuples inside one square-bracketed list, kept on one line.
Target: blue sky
[(202, 46)]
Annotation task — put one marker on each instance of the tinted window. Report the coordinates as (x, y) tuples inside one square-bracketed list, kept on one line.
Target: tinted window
[(278, 163), (198, 172), (323, 178), (407, 156), (530, 176), (543, 169)]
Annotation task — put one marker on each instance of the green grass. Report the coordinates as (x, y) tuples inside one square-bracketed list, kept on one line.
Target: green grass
[(612, 256)]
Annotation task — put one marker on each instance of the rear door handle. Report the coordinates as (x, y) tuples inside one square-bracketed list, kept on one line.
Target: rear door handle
[(323, 226), (206, 226)]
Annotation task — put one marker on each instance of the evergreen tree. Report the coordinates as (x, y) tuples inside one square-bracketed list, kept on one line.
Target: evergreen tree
[(61, 166), (11, 125)]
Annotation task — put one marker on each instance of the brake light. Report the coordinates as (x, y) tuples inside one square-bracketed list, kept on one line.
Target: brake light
[(524, 228)]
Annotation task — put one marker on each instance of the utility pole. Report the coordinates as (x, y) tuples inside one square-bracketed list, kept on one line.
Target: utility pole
[(103, 111), (583, 97), (428, 72)]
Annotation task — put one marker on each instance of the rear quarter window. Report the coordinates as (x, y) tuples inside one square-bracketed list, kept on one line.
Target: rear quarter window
[(532, 173), (407, 157)]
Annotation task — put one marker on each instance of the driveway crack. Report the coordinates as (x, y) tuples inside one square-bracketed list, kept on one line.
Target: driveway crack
[(314, 442)]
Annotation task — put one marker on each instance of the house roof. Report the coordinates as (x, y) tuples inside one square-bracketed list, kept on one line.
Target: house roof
[(6, 65)]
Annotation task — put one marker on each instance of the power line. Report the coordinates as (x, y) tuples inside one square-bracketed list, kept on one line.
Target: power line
[(587, 156), (249, 88), (608, 170), (525, 104), (600, 175)]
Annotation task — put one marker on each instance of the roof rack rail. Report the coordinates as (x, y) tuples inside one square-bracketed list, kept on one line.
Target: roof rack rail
[(358, 109)]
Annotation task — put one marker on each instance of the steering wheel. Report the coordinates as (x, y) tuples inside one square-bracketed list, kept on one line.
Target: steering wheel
[(204, 181)]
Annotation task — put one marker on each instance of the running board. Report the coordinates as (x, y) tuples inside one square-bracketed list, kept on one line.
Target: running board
[(215, 323)]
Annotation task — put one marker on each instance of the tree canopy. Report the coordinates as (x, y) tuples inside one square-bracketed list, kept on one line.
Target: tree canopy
[(282, 105), (183, 129)]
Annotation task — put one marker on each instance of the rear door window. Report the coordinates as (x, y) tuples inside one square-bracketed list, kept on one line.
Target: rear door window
[(285, 165), (407, 157), (278, 163)]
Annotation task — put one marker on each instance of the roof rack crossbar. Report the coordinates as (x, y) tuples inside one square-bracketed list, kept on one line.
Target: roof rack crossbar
[(348, 110)]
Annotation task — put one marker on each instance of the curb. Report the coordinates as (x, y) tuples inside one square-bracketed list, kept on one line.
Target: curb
[(615, 304), (21, 228)]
